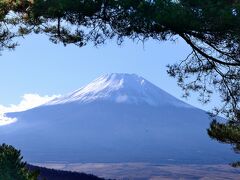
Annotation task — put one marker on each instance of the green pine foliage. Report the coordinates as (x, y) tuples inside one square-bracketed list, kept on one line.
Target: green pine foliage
[(12, 166), (228, 133)]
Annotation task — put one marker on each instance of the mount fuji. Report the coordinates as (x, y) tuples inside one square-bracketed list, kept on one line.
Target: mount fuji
[(115, 118)]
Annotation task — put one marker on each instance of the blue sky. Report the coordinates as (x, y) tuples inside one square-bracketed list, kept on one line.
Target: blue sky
[(41, 67)]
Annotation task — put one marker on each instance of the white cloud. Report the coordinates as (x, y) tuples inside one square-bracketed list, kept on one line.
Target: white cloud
[(5, 120), (28, 101)]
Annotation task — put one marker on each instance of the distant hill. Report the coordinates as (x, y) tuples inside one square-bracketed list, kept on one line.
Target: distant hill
[(52, 174)]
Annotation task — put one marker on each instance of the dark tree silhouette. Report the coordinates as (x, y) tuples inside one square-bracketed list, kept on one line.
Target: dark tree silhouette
[(228, 133), (11, 165), (53, 174)]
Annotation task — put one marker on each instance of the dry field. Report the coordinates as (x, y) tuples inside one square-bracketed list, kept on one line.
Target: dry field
[(150, 171)]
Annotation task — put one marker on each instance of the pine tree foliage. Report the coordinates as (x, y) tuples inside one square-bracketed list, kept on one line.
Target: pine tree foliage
[(226, 133), (11, 165)]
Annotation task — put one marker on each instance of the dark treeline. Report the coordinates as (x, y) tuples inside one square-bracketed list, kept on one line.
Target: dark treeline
[(52, 174)]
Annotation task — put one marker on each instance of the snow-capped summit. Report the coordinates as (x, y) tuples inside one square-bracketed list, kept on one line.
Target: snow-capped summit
[(120, 88)]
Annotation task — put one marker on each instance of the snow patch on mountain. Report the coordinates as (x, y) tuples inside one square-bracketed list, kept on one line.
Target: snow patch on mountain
[(120, 88)]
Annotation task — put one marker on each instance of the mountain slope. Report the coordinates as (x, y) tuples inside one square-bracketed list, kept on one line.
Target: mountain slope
[(116, 118)]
